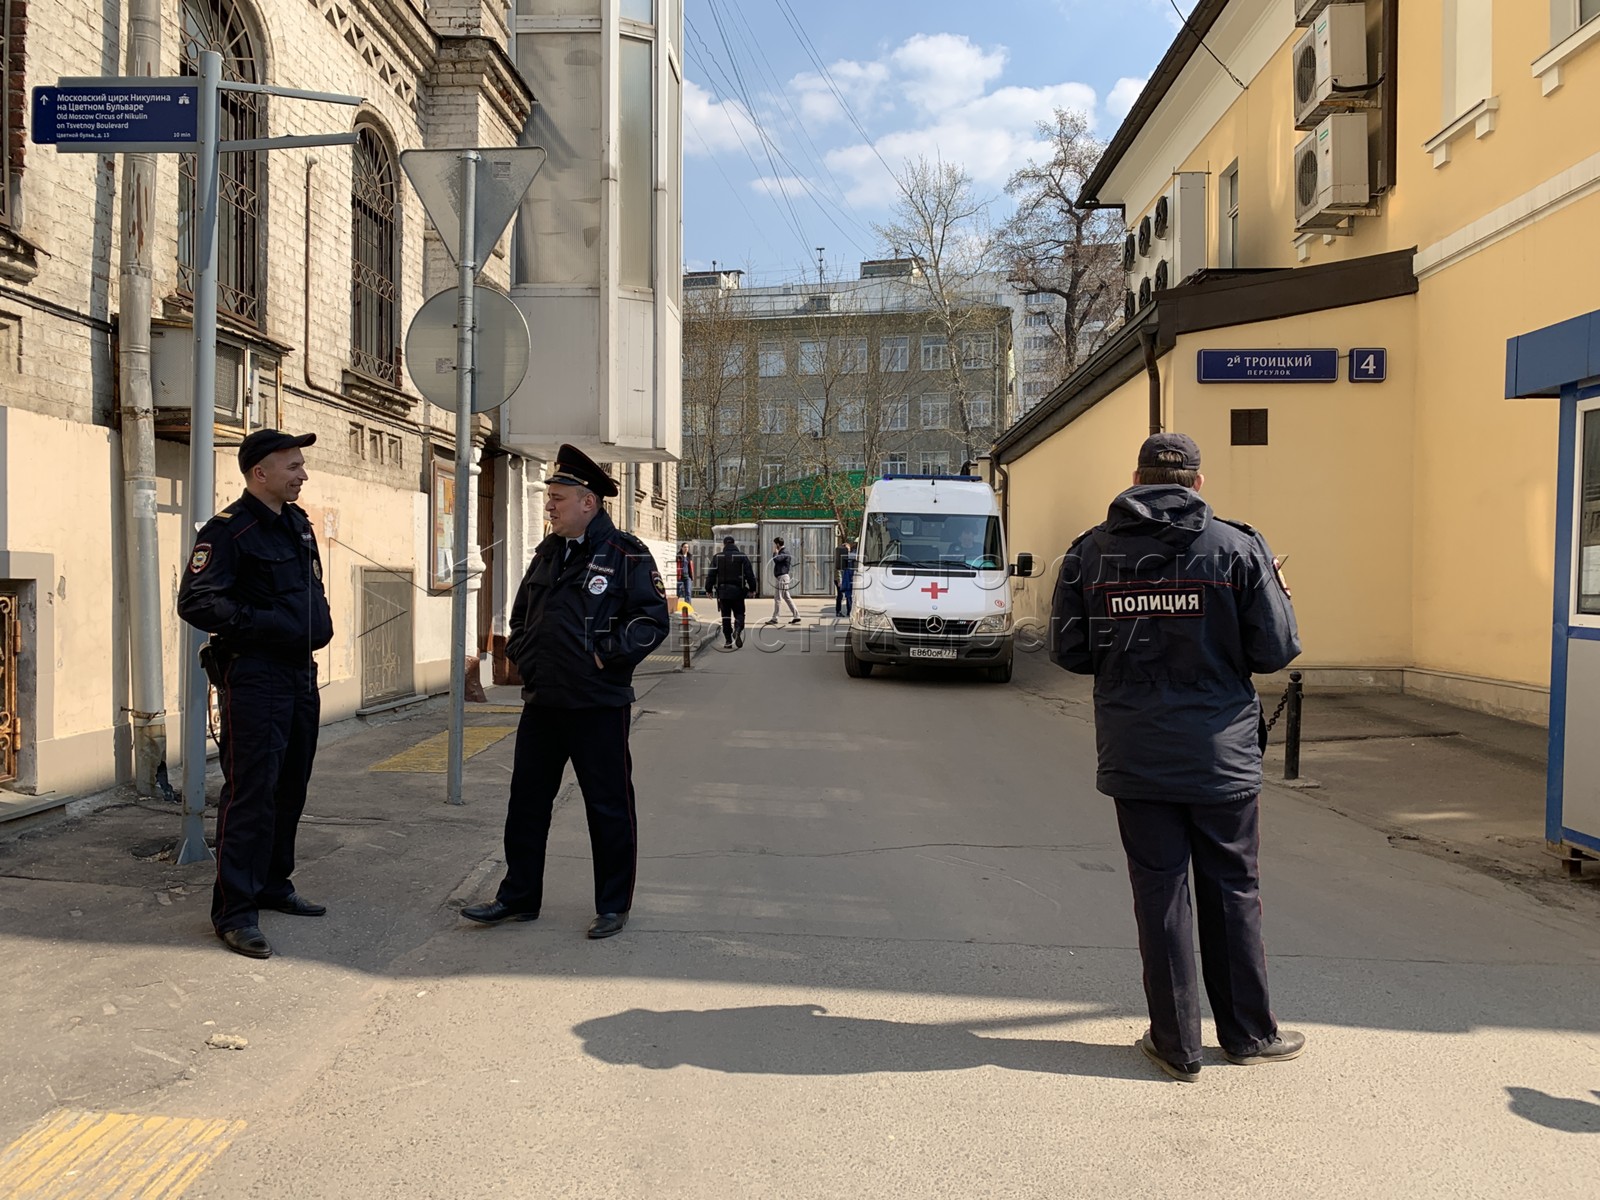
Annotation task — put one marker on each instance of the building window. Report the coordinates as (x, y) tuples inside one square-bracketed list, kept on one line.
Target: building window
[(1468, 50), (811, 418), (935, 462), (811, 358), (773, 361), (773, 419), (852, 462), (1228, 214), (694, 360), (372, 300), (852, 416), (936, 412), (358, 440), (1038, 299), (395, 450), (728, 474), (733, 362), (893, 464), (1249, 426), (728, 419), (980, 412), (894, 414), (894, 354), (658, 479), (13, 93), (1033, 389), (771, 472), (218, 25), (977, 351), (852, 355), (935, 352), (375, 445), (1037, 320)]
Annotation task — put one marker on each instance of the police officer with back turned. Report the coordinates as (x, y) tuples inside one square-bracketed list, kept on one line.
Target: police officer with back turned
[(1172, 609), (590, 608), (254, 583)]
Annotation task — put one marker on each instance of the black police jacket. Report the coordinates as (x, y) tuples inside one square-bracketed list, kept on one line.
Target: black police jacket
[(1172, 609), (608, 599), (254, 583), (731, 576)]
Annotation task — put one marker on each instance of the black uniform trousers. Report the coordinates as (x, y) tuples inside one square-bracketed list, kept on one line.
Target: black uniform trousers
[(596, 742), (732, 617), (267, 737), (1223, 843)]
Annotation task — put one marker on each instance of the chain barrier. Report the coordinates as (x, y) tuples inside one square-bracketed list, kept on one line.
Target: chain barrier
[(1278, 712)]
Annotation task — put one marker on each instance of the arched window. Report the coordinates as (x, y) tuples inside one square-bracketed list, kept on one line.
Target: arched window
[(374, 337), (219, 25)]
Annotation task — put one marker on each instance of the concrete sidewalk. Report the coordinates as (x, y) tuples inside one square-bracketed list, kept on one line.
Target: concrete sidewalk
[(1447, 781)]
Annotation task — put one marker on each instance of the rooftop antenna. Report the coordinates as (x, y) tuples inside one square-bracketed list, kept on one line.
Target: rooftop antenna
[(820, 271)]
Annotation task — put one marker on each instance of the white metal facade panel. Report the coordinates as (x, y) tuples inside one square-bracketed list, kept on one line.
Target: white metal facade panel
[(1580, 776)]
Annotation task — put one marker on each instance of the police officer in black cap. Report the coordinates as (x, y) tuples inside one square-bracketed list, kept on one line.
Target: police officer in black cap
[(1172, 609), (254, 583), (590, 608)]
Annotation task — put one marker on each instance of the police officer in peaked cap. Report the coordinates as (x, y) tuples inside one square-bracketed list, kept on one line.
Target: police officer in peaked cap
[(1172, 610), (254, 583), (588, 611)]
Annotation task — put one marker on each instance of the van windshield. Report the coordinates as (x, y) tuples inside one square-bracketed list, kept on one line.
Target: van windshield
[(931, 540)]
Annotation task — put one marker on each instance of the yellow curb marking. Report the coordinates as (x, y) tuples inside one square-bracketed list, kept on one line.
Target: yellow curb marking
[(430, 756), (493, 708), (111, 1156)]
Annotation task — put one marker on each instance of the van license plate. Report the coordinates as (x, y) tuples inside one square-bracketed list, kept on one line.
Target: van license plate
[(931, 652)]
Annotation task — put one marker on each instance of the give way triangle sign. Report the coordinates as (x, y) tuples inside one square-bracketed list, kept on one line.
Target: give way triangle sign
[(503, 175)]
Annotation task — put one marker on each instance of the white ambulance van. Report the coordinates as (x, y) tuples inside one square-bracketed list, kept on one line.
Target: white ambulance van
[(933, 585)]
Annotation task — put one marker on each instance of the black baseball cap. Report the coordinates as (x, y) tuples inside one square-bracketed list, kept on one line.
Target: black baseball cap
[(1175, 451), (577, 469), (728, 541), (269, 441)]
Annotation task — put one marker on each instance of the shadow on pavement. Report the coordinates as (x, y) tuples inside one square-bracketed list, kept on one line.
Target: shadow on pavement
[(1555, 1112), (802, 1039)]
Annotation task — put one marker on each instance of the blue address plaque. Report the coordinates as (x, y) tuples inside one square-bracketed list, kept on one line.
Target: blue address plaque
[(1268, 366), (117, 115), (1369, 364)]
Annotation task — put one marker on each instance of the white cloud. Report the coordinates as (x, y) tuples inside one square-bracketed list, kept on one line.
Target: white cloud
[(859, 83), (720, 124), (781, 185), (1122, 96), (940, 71)]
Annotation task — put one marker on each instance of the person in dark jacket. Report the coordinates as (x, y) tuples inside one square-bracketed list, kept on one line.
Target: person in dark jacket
[(589, 610), (782, 578), (731, 579), (845, 584), (254, 583), (1172, 610), (685, 572)]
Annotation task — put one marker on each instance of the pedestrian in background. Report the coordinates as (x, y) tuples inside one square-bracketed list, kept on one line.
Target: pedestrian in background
[(782, 565), (1172, 610), (844, 598), (589, 610), (685, 572), (731, 578), (254, 583)]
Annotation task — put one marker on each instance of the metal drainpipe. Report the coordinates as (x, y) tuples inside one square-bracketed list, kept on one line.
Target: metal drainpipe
[(1147, 341), (141, 543)]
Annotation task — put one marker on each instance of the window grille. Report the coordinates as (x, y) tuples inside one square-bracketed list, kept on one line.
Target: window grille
[(372, 300)]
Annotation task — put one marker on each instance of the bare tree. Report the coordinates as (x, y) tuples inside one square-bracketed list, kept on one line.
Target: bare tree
[(718, 405), (942, 222), (1051, 246)]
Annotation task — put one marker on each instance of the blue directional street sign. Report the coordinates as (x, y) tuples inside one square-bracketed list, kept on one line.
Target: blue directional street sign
[(1268, 366), (118, 115), (1369, 365)]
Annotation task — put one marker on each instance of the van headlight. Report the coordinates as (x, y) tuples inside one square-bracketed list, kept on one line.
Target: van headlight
[(871, 620), (998, 624)]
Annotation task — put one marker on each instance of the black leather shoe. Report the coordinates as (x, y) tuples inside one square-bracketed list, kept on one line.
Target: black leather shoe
[(247, 941), (1285, 1044), (1182, 1072), (493, 912), (607, 924), (297, 906), (738, 638)]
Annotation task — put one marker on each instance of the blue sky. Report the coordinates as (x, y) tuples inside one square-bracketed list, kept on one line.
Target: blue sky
[(775, 166)]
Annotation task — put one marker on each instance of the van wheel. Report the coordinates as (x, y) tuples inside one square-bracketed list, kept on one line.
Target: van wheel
[(1000, 674), (854, 667)]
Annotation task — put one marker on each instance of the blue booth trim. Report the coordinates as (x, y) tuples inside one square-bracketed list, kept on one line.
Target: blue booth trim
[(1547, 360)]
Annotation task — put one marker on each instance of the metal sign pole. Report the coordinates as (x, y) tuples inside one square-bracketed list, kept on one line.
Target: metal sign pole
[(464, 374), (202, 481)]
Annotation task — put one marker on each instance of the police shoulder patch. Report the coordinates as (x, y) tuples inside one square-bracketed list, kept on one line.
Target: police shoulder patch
[(658, 583), (200, 557)]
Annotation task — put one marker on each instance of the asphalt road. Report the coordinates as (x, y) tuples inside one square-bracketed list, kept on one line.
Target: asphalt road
[(882, 946)]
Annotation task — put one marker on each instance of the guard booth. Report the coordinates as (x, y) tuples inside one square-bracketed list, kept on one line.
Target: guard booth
[(1563, 361)]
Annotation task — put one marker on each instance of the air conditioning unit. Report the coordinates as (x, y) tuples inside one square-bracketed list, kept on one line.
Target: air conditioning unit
[(1330, 172), (249, 387), (1169, 243), (1305, 11), (1330, 64)]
